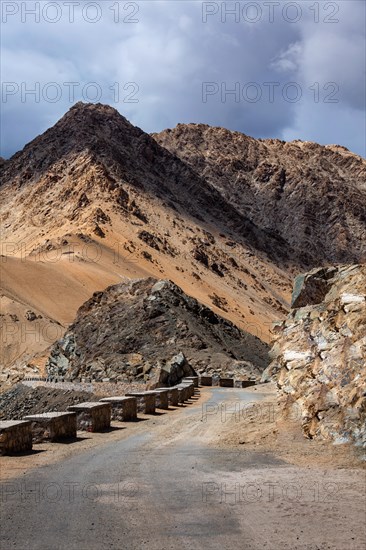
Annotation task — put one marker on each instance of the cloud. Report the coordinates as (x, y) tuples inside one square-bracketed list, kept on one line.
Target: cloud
[(290, 59), (161, 53)]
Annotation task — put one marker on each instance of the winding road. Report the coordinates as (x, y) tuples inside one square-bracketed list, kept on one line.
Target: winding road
[(163, 484)]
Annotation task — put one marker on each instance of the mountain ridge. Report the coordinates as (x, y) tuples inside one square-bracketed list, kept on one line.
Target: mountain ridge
[(95, 201), (114, 158), (259, 177)]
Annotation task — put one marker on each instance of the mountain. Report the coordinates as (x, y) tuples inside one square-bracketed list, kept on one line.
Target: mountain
[(93, 148), (95, 201), (132, 329), (313, 197)]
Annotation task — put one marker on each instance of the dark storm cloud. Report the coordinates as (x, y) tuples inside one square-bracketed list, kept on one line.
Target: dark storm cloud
[(160, 63)]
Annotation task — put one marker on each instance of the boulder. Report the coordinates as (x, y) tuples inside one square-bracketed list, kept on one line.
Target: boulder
[(311, 288), (176, 369)]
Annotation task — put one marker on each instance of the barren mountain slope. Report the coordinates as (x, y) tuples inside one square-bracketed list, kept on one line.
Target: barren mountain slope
[(95, 200), (311, 196)]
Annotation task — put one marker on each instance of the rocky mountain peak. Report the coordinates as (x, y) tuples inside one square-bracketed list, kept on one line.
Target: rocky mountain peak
[(93, 116), (94, 129)]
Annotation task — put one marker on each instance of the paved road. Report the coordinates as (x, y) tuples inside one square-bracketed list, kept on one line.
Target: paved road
[(164, 487)]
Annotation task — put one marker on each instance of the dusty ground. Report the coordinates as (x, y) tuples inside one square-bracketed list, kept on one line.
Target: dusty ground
[(198, 476), (263, 425)]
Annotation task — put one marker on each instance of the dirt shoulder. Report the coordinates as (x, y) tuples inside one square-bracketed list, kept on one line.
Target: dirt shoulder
[(262, 426)]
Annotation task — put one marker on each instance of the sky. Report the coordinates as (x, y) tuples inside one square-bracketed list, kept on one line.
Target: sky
[(269, 69)]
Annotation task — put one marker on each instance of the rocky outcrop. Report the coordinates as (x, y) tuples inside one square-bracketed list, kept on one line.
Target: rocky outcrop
[(140, 330), (173, 371), (319, 354)]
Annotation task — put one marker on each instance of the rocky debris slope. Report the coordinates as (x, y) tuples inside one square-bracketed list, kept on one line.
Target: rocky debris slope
[(131, 331), (311, 196), (319, 353), (21, 401)]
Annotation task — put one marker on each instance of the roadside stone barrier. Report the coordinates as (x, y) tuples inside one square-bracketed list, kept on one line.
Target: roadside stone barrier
[(146, 401), (244, 383), (206, 380), (194, 379), (181, 393), (186, 392), (226, 382), (173, 396), (92, 416), (52, 426), (162, 398), (18, 435), (189, 385), (123, 408), (15, 436)]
